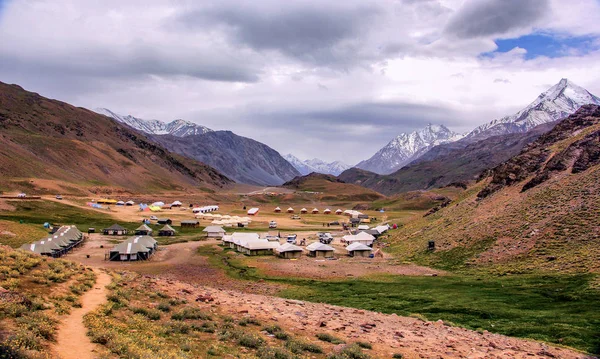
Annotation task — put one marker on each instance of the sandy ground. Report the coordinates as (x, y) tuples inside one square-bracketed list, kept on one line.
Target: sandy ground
[(388, 334), (71, 339)]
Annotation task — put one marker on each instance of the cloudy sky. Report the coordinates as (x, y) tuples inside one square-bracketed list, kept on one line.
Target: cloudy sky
[(334, 80)]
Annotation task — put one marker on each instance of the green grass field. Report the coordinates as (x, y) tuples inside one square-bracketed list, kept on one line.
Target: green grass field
[(552, 308)]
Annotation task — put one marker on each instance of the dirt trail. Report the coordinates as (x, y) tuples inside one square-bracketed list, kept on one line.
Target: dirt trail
[(72, 341)]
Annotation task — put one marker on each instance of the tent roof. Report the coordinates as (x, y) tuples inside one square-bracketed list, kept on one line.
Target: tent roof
[(318, 246), (129, 248), (144, 227), (190, 221), (116, 227), (288, 247), (146, 241), (167, 228), (358, 247), (214, 229), (37, 248)]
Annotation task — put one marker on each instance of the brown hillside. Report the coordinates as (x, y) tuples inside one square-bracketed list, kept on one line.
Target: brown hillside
[(332, 188), (49, 139), (553, 225)]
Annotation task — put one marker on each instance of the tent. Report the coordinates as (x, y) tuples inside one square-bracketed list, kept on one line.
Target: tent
[(176, 204), (190, 224), (146, 241), (315, 211), (362, 237), (289, 251), (358, 250), (318, 249), (38, 248), (339, 211), (303, 210), (129, 203), (327, 211), (158, 204), (253, 211), (120, 203), (277, 210), (115, 230), (143, 230), (128, 251), (167, 230), (154, 208), (214, 232), (363, 227)]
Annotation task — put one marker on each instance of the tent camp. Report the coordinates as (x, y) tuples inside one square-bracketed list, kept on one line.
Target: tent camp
[(115, 230), (289, 251), (143, 230), (214, 232), (358, 250), (166, 231), (318, 249)]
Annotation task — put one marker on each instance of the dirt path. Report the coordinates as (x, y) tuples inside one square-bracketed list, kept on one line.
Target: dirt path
[(72, 341)]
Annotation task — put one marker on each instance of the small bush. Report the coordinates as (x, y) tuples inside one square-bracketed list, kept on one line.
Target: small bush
[(251, 341), (352, 351), (326, 337), (297, 347), (244, 322), (190, 313), (364, 345), (277, 332), (151, 314), (397, 356), (164, 307), (273, 353)]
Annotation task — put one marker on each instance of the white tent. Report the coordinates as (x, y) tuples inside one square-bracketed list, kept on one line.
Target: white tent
[(158, 204), (362, 237), (176, 203), (120, 203), (363, 227), (253, 211), (358, 247)]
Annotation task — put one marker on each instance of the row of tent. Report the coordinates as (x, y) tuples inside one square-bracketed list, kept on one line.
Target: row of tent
[(304, 210), (205, 209), (134, 249), (58, 244), (143, 230), (251, 244)]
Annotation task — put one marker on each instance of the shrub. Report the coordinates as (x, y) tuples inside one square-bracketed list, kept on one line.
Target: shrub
[(250, 341), (352, 351), (276, 331), (151, 314), (364, 345), (164, 307), (190, 313), (326, 337), (206, 327), (244, 322), (297, 346), (398, 356), (273, 353)]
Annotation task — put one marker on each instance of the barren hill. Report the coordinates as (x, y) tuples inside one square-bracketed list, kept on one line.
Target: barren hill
[(332, 187), (49, 139), (537, 211)]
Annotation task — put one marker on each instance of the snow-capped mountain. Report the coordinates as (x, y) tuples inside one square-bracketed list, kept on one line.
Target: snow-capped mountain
[(316, 165), (407, 147), (178, 128), (559, 101)]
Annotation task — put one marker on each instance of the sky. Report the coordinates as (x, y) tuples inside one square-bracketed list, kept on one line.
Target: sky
[(334, 80)]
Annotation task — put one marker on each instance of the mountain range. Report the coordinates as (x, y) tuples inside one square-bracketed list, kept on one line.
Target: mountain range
[(407, 147), (484, 147), (52, 140), (242, 159), (316, 165), (557, 102)]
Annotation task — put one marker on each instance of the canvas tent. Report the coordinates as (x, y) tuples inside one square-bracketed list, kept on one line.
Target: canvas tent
[(303, 211), (129, 203), (214, 232), (362, 237), (327, 211), (277, 210), (315, 211), (318, 249), (176, 204), (253, 211), (115, 230), (146, 241), (358, 250), (190, 224), (290, 210), (129, 251), (143, 230), (166, 231), (289, 251)]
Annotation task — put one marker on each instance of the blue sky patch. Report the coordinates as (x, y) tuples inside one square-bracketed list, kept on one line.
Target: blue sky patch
[(548, 45)]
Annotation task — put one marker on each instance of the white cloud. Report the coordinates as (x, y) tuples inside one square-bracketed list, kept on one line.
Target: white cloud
[(338, 93)]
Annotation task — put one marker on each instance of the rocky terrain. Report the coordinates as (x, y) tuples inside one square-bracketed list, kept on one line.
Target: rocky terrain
[(239, 158), (331, 188), (49, 139)]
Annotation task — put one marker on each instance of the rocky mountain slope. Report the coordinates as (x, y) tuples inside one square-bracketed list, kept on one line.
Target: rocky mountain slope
[(446, 164), (556, 103), (179, 128), (537, 211), (407, 147), (316, 165), (241, 159), (49, 139)]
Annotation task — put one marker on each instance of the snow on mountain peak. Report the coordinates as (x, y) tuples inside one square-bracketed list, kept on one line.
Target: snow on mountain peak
[(559, 101), (178, 128), (316, 165), (406, 147)]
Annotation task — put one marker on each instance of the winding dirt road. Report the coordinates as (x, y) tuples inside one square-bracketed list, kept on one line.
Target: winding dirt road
[(71, 340)]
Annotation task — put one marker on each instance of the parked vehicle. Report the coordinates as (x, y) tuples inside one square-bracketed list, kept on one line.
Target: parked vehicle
[(291, 238), (58, 196), (295, 216), (272, 224), (271, 238), (153, 218), (325, 237)]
